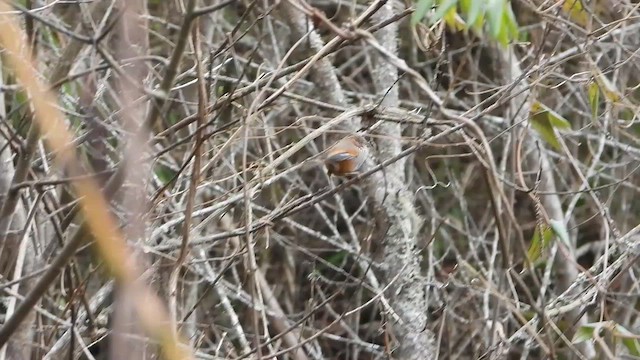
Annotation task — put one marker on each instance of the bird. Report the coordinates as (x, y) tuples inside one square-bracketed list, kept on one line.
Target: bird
[(347, 156)]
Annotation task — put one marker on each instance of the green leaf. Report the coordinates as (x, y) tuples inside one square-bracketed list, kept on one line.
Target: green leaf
[(478, 26), (452, 19), (632, 345), (503, 34), (594, 98), (541, 124), (584, 333), (627, 114), (512, 23), (560, 230), (629, 339), (172, 118), (539, 243), (508, 26), (544, 120), (557, 120), (495, 8), (165, 174), (337, 259), (465, 5), (421, 10), (473, 9), (576, 12), (609, 90), (443, 9)]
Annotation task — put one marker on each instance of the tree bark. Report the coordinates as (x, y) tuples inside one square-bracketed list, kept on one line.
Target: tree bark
[(401, 256)]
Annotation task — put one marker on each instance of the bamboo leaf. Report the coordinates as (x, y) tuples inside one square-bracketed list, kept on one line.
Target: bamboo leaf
[(541, 124), (495, 9), (586, 332), (560, 230), (575, 11), (422, 7), (473, 9), (545, 121), (609, 90), (632, 345), (453, 20), (539, 243), (557, 120), (444, 7), (511, 22)]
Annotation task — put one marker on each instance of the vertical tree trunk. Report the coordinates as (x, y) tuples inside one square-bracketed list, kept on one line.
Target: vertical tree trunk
[(401, 257)]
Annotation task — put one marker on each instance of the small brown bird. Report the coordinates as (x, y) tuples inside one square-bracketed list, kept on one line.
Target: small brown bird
[(347, 156)]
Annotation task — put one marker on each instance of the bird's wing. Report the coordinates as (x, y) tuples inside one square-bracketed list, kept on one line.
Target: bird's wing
[(343, 156)]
